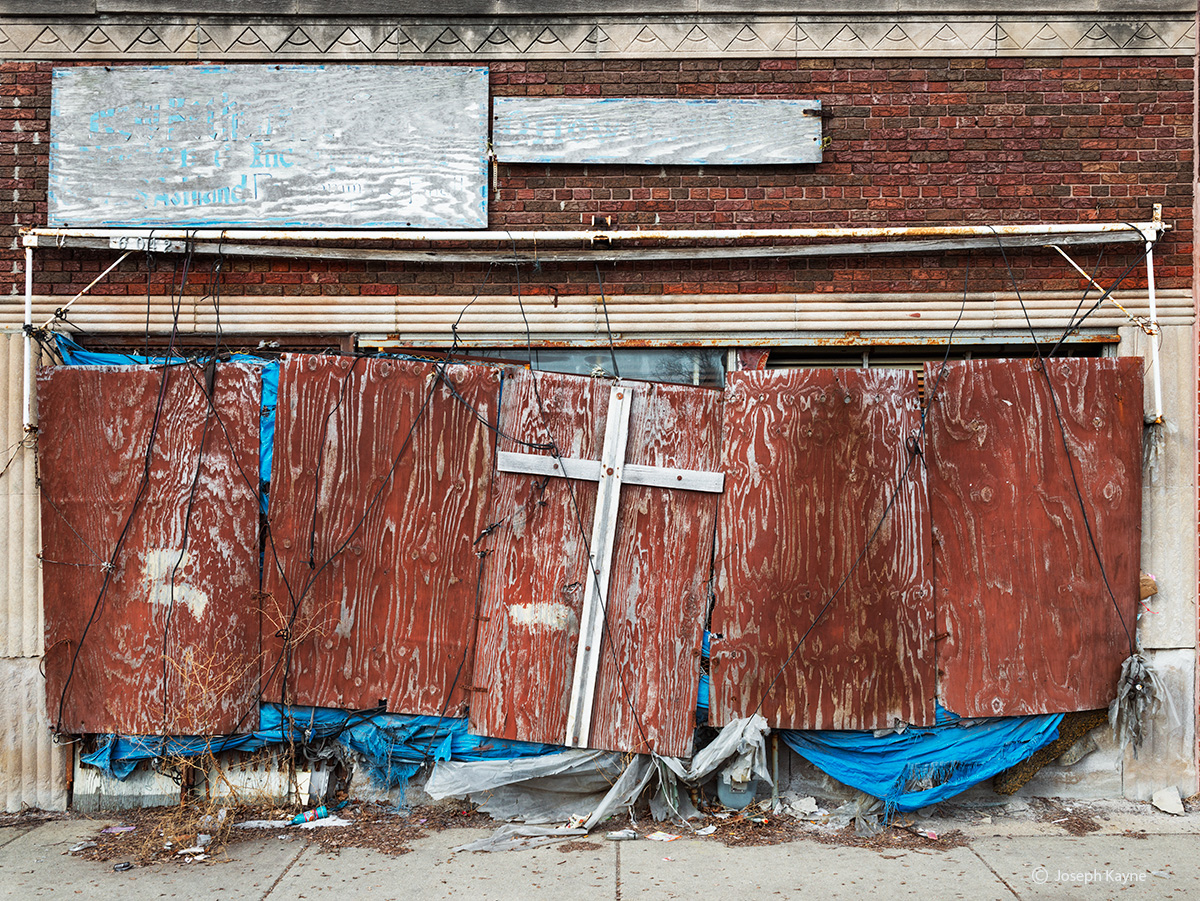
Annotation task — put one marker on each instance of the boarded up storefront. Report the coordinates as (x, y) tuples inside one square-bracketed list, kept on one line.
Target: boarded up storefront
[(1035, 550), (824, 603)]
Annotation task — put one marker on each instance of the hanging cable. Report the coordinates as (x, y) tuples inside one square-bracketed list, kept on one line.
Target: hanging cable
[(862, 554), (1062, 430), (612, 351)]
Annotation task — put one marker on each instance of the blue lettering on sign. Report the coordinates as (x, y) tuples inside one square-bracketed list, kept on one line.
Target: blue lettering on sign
[(268, 159), (228, 194)]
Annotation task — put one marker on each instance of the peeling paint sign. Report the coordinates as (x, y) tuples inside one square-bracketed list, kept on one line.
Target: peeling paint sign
[(670, 131), (269, 146)]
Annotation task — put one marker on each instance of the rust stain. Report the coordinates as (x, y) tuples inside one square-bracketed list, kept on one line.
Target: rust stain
[(811, 458), (183, 605), (1028, 623)]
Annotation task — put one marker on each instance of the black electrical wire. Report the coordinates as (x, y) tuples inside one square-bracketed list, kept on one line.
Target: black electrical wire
[(605, 638), (612, 351), (912, 458), (110, 565), (1076, 324), (1062, 429)]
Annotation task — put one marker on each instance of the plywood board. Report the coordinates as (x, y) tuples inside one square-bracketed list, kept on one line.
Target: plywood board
[(379, 488), (653, 131), (812, 461), (173, 642), (537, 565), (1025, 621), (269, 146)]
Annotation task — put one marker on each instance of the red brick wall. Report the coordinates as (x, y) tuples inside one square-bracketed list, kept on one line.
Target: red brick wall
[(937, 141)]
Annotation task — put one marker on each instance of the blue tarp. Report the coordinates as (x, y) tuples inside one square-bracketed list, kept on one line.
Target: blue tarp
[(922, 766), (395, 744)]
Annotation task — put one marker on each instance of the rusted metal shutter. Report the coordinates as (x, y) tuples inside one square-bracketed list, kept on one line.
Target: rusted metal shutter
[(1025, 621), (379, 489), (537, 567), (813, 459), (172, 644)]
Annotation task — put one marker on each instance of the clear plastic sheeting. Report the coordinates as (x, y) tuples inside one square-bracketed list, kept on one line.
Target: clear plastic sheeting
[(740, 750), (518, 837), (548, 789), (1141, 695), (555, 788)]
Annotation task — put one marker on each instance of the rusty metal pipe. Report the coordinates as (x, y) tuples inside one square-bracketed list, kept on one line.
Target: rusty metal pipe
[(138, 238)]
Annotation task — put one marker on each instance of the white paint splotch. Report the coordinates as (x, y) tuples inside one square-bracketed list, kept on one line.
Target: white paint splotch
[(545, 615), (159, 566)]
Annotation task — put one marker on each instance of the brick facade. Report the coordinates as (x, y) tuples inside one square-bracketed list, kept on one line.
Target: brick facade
[(911, 142)]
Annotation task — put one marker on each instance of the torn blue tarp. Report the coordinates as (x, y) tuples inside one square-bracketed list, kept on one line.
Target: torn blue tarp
[(394, 744), (702, 695), (74, 355), (266, 426), (922, 766)]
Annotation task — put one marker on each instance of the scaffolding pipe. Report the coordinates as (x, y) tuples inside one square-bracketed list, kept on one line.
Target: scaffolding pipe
[(1155, 336), (26, 406), (142, 238)]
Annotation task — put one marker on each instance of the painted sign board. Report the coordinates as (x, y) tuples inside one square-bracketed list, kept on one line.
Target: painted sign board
[(269, 146), (661, 132)]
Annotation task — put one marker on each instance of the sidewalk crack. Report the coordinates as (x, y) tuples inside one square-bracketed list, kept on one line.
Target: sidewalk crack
[(279, 878), (617, 858), (1003, 881)]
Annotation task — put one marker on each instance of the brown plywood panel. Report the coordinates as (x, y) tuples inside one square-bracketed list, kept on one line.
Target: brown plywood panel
[(174, 645), (1029, 626), (537, 565), (379, 490), (812, 458)]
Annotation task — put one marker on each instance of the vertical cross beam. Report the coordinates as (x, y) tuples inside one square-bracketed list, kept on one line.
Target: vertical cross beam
[(604, 530)]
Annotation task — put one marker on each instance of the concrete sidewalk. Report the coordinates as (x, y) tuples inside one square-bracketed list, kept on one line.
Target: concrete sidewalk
[(1137, 853)]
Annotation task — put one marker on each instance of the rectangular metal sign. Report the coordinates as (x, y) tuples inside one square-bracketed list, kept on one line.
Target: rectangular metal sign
[(269, 146), (662, 132)]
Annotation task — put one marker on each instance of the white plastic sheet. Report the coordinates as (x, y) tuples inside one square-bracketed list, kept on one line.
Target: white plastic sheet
[(597, 783)]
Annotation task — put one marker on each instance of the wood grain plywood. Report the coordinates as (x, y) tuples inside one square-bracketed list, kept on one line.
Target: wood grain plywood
[(666, 131), (1029, 626), (292, 146), (812, 458), (174, 645), (537, 564), (379, 490)]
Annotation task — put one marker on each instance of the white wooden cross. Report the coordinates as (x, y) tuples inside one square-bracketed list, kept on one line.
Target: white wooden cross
[(610, 472)]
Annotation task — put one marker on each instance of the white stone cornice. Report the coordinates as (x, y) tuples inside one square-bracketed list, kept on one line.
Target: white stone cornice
[(616, 37)]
